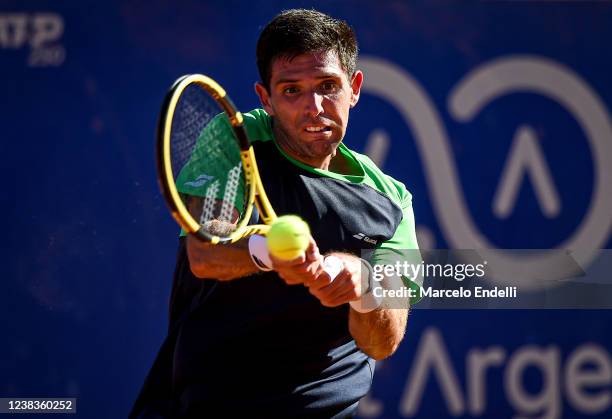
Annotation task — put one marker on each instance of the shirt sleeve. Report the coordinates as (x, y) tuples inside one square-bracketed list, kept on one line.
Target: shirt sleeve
[(212, 158), (402, 248)]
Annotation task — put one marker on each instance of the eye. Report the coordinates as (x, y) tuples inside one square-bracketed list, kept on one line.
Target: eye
[(290, 90), (329, 86)]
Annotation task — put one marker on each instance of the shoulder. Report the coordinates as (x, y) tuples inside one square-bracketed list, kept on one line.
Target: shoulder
[(258, 125), (382, 182)]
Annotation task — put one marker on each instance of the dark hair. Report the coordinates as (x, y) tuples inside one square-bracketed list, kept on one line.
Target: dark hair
[(299, 31)]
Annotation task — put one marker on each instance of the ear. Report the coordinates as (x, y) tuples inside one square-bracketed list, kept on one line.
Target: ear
[(356, 82), (264, 98)]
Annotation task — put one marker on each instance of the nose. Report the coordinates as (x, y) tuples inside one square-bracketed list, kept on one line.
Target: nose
[(313, 104)]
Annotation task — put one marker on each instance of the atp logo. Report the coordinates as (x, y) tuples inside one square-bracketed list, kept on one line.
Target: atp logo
[(491, 80), (40, 32)]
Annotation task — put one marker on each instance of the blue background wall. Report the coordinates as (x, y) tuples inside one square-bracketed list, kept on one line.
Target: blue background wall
[(87, 268)]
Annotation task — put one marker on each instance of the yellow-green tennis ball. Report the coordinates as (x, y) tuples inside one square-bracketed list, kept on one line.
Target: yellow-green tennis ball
[(288, 237)]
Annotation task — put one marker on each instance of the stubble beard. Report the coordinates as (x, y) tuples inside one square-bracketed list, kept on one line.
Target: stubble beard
[(297, 148)]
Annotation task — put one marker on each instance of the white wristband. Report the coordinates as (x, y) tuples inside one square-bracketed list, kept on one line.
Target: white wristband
[(258, 250), (333, 266)]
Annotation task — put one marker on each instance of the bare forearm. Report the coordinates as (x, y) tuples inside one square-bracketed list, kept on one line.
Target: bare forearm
[(379, 332), (222, 262)]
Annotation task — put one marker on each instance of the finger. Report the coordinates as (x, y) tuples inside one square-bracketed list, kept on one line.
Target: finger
[(309, 269), (312, 251), (284, 264), (320, 281), (340, 299), (340, 286), (332, 269), (330, 292), (300, 273)]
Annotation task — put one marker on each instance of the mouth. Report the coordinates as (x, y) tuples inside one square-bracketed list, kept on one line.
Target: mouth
[(317, 129)]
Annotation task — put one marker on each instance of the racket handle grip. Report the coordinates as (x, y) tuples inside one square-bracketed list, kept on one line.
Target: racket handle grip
[(333, 266)]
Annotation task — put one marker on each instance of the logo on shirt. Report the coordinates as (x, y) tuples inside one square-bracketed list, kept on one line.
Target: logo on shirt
[(199, 181), (363, 237)]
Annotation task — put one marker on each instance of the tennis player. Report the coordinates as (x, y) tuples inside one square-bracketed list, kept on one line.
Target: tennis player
[(251, 335)]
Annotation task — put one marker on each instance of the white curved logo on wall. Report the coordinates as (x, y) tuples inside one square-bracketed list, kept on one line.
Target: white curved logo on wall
[(477, 89), (40, 32)]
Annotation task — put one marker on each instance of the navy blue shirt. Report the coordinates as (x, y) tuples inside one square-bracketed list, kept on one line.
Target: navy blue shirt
[(255, 345)]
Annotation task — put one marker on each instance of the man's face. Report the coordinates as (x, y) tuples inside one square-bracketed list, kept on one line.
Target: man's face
[(310, 97)]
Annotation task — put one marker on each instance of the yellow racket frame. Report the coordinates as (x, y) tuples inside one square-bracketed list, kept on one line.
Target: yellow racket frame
[(255, 192)]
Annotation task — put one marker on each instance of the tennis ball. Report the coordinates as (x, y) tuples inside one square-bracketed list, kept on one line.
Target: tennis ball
[(288, 237)]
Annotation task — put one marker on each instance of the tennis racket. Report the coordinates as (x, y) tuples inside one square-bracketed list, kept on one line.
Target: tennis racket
[(206, 165)]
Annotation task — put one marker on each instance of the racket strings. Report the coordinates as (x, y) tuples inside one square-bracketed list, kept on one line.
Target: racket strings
[(206, 157), (208, 204), (231, 189)]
